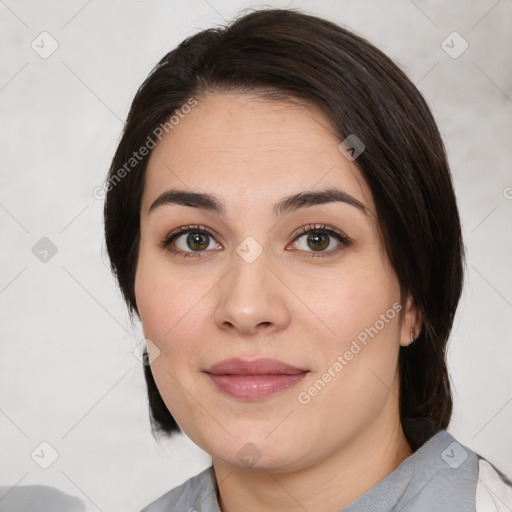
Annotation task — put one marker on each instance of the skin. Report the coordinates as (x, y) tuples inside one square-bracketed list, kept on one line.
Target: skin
[(305, 311)]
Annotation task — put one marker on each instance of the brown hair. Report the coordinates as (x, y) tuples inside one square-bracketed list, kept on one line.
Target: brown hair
[(287, 54)]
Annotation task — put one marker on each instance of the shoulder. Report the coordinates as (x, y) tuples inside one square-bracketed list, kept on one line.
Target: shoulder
[(493, 489), (447, 476), (197, 493), (38, 497), (465, 477)]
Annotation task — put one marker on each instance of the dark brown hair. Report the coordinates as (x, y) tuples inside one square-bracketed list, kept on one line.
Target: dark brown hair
[(285, 54)]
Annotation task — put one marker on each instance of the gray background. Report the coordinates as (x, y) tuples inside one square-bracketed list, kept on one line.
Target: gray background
[(68, 375)]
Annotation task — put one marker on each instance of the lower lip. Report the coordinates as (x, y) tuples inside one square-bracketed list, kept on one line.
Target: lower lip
[(252, 387)]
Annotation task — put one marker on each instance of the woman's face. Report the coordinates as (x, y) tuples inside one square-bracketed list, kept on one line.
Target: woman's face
[(245, 281)]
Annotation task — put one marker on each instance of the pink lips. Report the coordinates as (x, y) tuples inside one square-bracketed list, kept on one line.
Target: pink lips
[(254, 379)]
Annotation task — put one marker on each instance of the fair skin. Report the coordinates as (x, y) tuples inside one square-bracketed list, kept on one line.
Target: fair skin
[(290, 303)]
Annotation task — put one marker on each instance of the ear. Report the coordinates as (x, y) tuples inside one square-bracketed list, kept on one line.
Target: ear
[(411, 320)]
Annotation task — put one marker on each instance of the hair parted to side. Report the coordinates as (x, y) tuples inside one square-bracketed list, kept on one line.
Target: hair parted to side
[(287, 55)]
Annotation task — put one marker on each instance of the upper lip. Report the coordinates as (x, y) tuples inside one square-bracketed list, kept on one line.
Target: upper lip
[(263, 366)]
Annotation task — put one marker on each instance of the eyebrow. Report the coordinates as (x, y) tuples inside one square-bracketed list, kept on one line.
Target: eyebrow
[(289, 204)]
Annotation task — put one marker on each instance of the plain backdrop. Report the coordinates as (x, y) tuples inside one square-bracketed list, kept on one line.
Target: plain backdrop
[(68, 374)]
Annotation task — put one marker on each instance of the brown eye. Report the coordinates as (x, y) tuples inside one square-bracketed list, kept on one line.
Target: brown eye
[(190, 241), (321, 240), (197, 241), (318, 241)]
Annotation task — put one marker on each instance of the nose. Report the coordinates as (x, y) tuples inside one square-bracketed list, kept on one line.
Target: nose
[(251, 299)]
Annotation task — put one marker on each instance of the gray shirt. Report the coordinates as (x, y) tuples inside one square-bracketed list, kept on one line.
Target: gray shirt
[(441, 476)]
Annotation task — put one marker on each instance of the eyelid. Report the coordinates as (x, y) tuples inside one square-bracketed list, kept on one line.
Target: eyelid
[(191, 227)]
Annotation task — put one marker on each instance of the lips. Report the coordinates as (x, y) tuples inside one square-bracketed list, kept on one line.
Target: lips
[(254, 379)]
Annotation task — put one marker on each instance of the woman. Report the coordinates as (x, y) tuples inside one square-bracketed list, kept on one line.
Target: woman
[(280, 215)]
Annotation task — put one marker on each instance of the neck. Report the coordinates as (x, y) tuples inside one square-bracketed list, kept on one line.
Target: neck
[(327, 486)]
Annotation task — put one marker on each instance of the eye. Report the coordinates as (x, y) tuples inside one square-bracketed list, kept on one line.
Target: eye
[(189, 240), (318, 238), (313, 240)]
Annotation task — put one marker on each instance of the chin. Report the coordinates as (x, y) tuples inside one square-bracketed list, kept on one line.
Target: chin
[(259, 452)]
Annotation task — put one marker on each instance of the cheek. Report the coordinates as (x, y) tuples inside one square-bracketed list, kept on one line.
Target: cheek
[(170, 311), (358, 376), (166, 300), (359, 356), (350, 301), (173, 309)]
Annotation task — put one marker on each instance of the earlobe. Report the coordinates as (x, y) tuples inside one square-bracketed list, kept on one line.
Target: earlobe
[(411, 324)]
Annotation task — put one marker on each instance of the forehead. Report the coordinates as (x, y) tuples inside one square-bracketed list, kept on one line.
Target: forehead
[(253, 150)]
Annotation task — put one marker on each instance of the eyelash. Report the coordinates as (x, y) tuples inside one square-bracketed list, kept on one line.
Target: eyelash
[(343, 239)]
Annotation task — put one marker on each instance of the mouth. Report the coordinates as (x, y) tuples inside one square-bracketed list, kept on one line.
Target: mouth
[(256, 379)]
